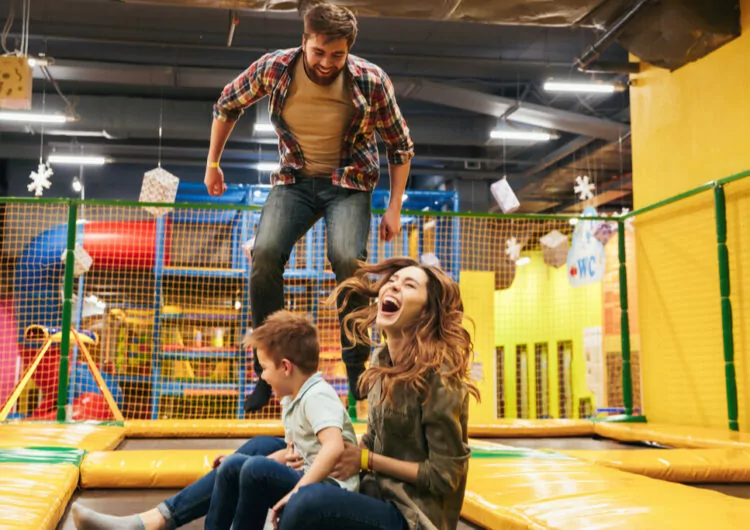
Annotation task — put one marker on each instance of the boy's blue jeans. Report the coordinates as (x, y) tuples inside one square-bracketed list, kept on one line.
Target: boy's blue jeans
[(192, 502), (315, 506), (246, 488)]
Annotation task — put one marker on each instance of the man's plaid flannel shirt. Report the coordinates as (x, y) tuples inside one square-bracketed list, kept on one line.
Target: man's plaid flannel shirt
[(375, 109)]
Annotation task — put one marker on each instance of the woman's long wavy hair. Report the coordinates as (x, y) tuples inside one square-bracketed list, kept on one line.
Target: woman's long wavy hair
[(437, 341)]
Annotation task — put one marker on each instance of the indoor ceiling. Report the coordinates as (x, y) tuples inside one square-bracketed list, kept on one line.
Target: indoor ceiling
[(127, 66)]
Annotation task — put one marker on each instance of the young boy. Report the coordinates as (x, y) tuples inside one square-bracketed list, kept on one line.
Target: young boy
[(316, 425)]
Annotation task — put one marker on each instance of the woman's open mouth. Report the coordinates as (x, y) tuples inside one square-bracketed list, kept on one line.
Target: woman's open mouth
[(390, 305)]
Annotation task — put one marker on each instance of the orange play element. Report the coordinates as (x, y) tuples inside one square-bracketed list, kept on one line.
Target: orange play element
[(36, 332)]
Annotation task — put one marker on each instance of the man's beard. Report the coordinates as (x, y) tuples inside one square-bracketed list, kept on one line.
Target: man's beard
[(317, 78)]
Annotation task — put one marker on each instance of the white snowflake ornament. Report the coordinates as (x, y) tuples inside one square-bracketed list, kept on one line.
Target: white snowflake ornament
[(40, 179), (628, 221), (513, 249), (584, 188)]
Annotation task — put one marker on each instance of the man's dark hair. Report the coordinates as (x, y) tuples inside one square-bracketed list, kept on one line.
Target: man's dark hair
[(331, 21)]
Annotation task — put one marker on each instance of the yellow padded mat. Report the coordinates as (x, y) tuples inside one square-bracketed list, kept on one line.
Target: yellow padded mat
[(209, 428), (91, 437), (676, 465), (517, 428), (503, 492), (202, 428), (568, 494), (682, 436), (34, 496), (509, 428), (146, 469)]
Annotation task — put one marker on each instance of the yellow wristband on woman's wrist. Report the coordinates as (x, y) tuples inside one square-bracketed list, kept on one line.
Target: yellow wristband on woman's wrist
[(213, 164), (364, 460)]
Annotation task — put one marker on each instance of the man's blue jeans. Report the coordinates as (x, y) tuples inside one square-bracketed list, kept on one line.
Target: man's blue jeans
[(192, 502), (246, 488), (289, 212)]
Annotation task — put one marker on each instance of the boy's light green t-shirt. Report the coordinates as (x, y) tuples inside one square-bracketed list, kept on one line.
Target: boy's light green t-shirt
[(316, 407)]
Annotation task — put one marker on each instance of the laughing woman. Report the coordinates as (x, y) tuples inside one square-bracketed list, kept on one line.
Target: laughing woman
[(415, 454)]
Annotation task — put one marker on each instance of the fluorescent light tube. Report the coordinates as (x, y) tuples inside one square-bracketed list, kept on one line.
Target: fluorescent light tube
[(30, 117), (77, 160), (504, 134), (267, 166), (581, 88), (264, 127)]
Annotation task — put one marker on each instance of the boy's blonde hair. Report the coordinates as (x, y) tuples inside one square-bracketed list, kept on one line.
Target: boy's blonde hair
[(286, 335)]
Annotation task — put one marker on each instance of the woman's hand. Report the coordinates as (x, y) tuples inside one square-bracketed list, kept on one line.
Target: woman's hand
[(217, 461), (349, 463)]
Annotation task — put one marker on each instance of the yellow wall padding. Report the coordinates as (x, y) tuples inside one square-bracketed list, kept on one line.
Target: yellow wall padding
[(81, 435), (673, 435), (34, 496), (522, 493), (147, 469), (513, 428), (689, 127), (697, 466)]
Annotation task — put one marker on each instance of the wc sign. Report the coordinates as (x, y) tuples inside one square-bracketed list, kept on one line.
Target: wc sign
[(586, 255)]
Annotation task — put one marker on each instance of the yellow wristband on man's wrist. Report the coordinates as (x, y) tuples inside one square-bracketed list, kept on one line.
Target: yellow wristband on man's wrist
[(364, 460), (213, 164)]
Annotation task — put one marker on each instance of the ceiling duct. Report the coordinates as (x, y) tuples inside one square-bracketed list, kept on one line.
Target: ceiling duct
[(665, 33)]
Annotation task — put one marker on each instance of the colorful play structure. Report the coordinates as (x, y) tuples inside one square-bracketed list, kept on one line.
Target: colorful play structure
[(142, 250), (558, 440)]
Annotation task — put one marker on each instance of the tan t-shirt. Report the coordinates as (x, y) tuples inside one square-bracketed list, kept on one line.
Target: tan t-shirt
[(318, 117)]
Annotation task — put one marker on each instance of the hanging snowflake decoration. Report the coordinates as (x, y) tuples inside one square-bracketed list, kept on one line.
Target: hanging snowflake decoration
[(584, 188), (40, 179), (628, 221), (513, 249)]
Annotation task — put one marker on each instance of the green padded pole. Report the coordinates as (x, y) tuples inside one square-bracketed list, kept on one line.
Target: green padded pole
[(352, 407), (62, 389), (726, 306), (627, 376)]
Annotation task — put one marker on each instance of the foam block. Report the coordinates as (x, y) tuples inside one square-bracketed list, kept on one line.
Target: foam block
[(158, 185), (504, 196)]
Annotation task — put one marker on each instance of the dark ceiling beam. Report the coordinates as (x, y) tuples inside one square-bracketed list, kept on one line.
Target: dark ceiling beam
[(458, 60), (148, 154), (498, 106), (558, 154)]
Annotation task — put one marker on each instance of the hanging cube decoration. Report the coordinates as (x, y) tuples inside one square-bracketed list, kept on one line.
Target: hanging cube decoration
[(158, 185), (504, 196), (605, 231), (555, 247), (82, 260), (16, 78)]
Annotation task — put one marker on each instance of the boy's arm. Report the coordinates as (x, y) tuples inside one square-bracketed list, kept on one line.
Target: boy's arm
[(332, 446)]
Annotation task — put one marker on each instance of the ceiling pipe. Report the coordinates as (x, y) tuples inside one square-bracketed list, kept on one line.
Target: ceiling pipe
[(234, 19), (609, 37)]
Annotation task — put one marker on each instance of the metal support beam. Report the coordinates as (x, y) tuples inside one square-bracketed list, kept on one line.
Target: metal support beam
[(498, 106)]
